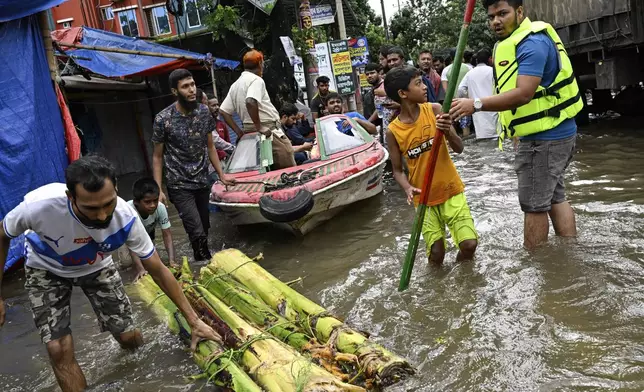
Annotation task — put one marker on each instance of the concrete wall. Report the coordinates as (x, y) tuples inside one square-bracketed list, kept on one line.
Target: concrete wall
[(592, 25), (568, 12)]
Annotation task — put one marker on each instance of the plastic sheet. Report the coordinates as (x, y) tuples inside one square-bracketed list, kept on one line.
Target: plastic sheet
[(120, 64), (32, 137)]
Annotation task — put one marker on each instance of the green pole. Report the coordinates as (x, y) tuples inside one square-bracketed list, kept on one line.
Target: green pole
[(410, 256)]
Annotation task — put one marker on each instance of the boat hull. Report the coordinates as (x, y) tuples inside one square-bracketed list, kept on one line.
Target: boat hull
[(328, 202)]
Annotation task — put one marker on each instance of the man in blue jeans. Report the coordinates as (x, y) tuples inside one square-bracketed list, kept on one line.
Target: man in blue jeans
[(537, 97)]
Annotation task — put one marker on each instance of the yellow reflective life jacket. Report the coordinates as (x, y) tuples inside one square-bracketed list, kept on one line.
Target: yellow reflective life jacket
[(550, 105)]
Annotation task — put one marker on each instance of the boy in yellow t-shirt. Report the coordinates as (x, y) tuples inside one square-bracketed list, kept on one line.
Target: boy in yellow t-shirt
[(411, 136)]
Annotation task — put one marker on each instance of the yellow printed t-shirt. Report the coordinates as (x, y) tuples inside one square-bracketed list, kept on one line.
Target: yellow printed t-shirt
[(415, 141)]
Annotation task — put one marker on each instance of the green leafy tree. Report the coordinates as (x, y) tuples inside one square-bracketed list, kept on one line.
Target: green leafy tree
[(223, 19), (436, 24), (406, 30), (365, 16), (375, 35)]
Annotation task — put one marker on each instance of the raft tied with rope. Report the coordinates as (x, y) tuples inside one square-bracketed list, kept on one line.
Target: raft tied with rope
[(274, 339)]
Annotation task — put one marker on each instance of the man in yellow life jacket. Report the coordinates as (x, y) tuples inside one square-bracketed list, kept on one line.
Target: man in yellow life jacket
[(537, 97)]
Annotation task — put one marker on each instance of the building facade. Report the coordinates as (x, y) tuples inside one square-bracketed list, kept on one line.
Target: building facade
[(133, 18)]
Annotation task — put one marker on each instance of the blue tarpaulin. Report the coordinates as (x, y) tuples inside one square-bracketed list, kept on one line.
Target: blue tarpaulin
[(31, 129), (16, 9), (119, 64)]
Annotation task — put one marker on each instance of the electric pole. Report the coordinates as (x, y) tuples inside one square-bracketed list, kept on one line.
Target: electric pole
[(340, 13), (384, 18), (305, 22), (343, 35)]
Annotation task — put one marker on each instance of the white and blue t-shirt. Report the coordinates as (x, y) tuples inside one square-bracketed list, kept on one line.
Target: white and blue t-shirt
[(58, 242)]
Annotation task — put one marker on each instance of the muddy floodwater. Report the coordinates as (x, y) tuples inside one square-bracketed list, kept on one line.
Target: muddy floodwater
[(568, 317)]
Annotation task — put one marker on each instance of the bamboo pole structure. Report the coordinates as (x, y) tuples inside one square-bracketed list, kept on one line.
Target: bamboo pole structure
[(254, 310), (249, 306), (412, 248), (212, 76), (129, 51), (275, 366)]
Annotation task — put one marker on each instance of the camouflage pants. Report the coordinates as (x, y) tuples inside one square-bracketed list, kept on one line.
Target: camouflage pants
[(50, 301)]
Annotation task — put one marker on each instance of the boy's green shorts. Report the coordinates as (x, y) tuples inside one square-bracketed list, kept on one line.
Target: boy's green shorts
[(455, 214)]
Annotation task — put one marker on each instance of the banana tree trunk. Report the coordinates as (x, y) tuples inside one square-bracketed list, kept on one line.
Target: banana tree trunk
[(209, 355), (344, 366), (253, 309), (275, 366), (381, 367)]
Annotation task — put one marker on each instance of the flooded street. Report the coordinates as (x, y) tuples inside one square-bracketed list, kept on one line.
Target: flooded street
[(568, 317)]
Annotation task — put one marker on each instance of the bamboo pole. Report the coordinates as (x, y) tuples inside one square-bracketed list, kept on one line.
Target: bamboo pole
[(129, 51), (212, 76), (45, 32), (412, 248)]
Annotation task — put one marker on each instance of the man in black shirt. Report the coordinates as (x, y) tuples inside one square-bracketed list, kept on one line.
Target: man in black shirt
[(318, 103), (372, 71), (183, 141)]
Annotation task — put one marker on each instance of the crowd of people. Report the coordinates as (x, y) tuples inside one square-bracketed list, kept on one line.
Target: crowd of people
[(474, 80)]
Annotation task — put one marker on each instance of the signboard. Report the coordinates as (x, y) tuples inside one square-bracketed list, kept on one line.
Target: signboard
[(359, 49), (305, 15), (322, 15), (298, 73), (265, 5), (363, 77), (289, 48), (342, 69), (324, 63)]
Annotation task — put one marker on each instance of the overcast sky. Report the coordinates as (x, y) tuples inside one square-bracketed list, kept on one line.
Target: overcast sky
[(391, 6)]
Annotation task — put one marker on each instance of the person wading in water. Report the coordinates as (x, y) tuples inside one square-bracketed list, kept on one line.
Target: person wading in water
[(183, 141), (73, 230), (410, 136), (538, 98)]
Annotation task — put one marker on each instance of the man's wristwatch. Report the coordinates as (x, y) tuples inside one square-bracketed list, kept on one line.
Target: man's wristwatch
[(478, 105)]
